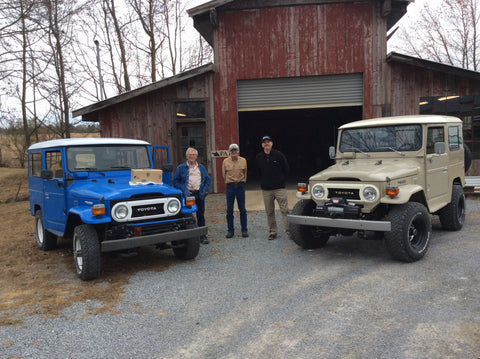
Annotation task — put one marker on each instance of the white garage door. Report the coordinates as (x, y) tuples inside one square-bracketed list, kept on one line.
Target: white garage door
[(300, 92)]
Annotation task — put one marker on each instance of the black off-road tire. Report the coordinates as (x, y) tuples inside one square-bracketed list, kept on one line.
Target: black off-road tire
[(307, 237), (45, 240), (452, 216), (409, 238), (86, 252), (190, 248)]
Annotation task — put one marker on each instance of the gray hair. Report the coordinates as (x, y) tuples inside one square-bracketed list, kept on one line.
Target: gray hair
[(191, 149)]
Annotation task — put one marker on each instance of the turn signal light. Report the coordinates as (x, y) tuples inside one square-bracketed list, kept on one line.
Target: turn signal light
[(302, 187), (98, 209), (190, 201), (392, 191)]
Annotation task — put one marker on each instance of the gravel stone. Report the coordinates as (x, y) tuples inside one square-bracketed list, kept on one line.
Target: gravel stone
[(255, 298)]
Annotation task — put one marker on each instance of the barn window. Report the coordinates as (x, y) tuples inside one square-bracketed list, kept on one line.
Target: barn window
[(190, 110)]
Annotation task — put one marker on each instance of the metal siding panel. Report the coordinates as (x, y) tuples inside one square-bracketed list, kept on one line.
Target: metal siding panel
[(300, 92)]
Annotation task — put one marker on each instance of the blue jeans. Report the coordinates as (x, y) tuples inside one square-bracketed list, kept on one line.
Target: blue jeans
[(236, 191), (200, 210)]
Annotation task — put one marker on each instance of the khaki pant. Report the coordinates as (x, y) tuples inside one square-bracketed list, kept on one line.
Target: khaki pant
[(269, 198)]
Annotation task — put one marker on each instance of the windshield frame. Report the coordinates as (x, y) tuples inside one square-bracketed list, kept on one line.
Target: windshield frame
[(390, 138), (110, 157)]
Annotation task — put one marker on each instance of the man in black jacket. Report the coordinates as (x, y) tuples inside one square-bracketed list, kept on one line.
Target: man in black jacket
[(273, 168)]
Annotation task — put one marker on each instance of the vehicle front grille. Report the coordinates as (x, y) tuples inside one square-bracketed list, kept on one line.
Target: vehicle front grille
[(344, 193), (148, 210)]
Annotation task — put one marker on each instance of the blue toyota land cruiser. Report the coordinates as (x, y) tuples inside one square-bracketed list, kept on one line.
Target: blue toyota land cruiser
[(105, 194)]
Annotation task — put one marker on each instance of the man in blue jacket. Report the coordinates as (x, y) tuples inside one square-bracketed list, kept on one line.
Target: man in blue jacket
[(192, 179)]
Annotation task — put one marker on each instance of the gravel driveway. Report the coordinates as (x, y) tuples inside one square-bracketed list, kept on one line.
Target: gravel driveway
[(254, 298)]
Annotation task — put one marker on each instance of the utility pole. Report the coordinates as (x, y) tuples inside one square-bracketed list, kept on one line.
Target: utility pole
[(99, 69)]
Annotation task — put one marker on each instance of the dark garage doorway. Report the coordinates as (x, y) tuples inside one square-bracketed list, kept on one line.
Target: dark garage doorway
[(303, 135)]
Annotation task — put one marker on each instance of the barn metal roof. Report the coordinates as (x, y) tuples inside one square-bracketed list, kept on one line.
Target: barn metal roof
[(432, 65), (93, 108)]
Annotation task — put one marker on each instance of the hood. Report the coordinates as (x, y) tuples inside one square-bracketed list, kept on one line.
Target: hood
[(114, 188), (368, 170)]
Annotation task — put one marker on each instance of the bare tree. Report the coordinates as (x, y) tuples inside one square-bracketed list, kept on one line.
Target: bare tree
[(111, 17), (150, 13), (446, 32), (48, 60)]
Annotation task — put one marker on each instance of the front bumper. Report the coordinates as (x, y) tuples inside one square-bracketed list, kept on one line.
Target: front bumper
[(357, 224), (140, 241)]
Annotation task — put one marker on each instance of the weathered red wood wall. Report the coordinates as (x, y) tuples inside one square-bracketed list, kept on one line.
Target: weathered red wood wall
[(292, 41), (409, 83), (151, 117)]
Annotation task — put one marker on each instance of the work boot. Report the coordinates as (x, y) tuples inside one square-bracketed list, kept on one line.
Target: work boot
[(229, 235), (245, 234), (204, 240)]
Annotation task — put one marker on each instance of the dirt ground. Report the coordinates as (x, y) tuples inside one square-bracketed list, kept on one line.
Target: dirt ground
[(44, 283)]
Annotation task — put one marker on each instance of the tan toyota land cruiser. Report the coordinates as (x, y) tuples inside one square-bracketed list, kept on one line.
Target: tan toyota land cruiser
[(390, 175)]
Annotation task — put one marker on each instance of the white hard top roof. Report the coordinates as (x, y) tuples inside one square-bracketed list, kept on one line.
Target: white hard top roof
[(86, 141), (403, 120)]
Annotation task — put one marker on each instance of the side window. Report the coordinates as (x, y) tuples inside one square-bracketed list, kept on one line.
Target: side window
[(54, 163), (434, 135), (35, 164), (454, 138)]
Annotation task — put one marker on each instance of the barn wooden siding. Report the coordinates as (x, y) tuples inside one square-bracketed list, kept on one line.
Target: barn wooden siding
[(291, 41), (151, 116), (409, 83)]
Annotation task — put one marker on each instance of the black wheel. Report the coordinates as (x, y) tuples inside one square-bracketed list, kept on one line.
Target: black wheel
[(467, 157), (307, 237), (452, 216), (86, 252), (188, 248), (45, 240), (409, 238)]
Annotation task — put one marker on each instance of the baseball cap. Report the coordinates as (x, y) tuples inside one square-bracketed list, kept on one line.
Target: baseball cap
[(233, 146), (266, 138)]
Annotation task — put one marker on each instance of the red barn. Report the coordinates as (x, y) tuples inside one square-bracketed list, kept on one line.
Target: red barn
[(295, 70)]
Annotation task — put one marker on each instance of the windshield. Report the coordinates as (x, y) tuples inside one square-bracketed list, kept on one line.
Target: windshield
[(107, 158), (381, 139)]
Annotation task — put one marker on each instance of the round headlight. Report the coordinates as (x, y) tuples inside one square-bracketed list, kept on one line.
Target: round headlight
[(318, 191), (370, 193), (120, 212), (173, 206)]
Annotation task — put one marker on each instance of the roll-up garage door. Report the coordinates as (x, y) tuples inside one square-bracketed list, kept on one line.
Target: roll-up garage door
[(300, 92)]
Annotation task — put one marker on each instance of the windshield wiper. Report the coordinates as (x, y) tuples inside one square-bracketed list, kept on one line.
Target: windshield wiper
[(85, 168), (90, 169), (120, 167), (392, 149), (356, 149)]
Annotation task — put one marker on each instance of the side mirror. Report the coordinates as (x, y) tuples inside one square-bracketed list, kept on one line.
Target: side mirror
[(46, 174), (331, 152), (439, 148)]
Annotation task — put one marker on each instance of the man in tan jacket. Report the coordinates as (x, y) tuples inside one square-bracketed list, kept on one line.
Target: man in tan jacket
[(234, 170)]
